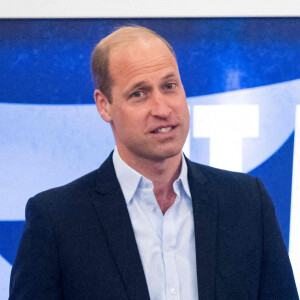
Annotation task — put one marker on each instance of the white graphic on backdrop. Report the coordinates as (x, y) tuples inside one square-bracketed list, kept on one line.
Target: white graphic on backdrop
[(226, 126), (5, 269), (277, 104), (294, 242), (43, 146)]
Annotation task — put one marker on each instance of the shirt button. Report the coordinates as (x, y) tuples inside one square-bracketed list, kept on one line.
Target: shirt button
[(172, 291)]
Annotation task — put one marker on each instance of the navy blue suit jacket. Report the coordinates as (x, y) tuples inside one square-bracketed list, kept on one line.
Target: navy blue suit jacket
[(78, 241)]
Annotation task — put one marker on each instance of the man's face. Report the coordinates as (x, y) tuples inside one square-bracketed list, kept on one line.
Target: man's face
[(149, 113)]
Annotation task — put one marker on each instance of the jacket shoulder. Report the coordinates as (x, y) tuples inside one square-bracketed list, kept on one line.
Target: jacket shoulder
[(219, 176), (81, 186)]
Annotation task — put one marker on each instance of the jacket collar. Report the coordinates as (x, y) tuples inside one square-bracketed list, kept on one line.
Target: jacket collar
[(111, 208), (205, 220)]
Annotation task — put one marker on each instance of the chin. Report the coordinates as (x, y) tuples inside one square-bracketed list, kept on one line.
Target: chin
[(154, 152), (165, 154)]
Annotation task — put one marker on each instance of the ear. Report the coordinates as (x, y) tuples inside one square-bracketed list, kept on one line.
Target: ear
[(103, 105)]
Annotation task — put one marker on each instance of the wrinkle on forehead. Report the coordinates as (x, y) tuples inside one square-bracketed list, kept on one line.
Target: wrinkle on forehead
[(145, 66)]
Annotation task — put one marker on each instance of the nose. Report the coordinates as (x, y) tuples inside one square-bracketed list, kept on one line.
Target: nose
[(160, 106)]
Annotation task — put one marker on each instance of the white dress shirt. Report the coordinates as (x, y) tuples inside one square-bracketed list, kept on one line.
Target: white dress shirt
[(166, 243)]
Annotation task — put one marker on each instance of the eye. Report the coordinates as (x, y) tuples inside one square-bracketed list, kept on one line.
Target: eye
[(170, 85), (136, 94)]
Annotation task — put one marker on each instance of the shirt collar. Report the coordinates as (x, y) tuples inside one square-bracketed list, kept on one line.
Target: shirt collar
[(129, 178), (183, 177)]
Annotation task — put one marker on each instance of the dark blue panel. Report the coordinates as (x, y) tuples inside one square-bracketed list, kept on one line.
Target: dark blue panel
[(276, 174), (47, 61), (10, 234)]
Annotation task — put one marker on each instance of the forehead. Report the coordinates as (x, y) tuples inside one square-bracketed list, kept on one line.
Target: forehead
[(129, 60)]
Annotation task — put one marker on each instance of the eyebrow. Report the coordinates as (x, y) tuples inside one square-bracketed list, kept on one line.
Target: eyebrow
[(170, 75), (138, 85), (134, 87)]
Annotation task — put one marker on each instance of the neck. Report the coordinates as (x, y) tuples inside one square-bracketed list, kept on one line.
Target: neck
[(162, 173)]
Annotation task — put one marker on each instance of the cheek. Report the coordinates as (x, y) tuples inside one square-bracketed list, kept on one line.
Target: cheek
[(183, 110), (188, 115), (127, 123)]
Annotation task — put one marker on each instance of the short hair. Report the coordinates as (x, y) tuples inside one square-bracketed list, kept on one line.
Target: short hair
[(100, 56)]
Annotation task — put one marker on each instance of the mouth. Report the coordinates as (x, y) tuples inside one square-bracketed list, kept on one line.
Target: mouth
[(163, 129)]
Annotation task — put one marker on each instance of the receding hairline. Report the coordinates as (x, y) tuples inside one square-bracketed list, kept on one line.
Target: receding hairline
[(128, 34)]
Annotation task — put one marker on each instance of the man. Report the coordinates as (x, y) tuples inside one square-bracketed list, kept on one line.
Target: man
[(149, 223)]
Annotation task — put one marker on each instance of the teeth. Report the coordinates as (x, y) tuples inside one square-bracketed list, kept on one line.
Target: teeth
[(165, 129)]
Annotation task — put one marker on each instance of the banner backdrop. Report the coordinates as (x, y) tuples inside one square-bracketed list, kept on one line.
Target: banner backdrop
[(242, 81)]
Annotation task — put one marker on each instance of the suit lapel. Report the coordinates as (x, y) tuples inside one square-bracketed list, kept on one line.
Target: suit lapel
[(111, 208), (205, 220)]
